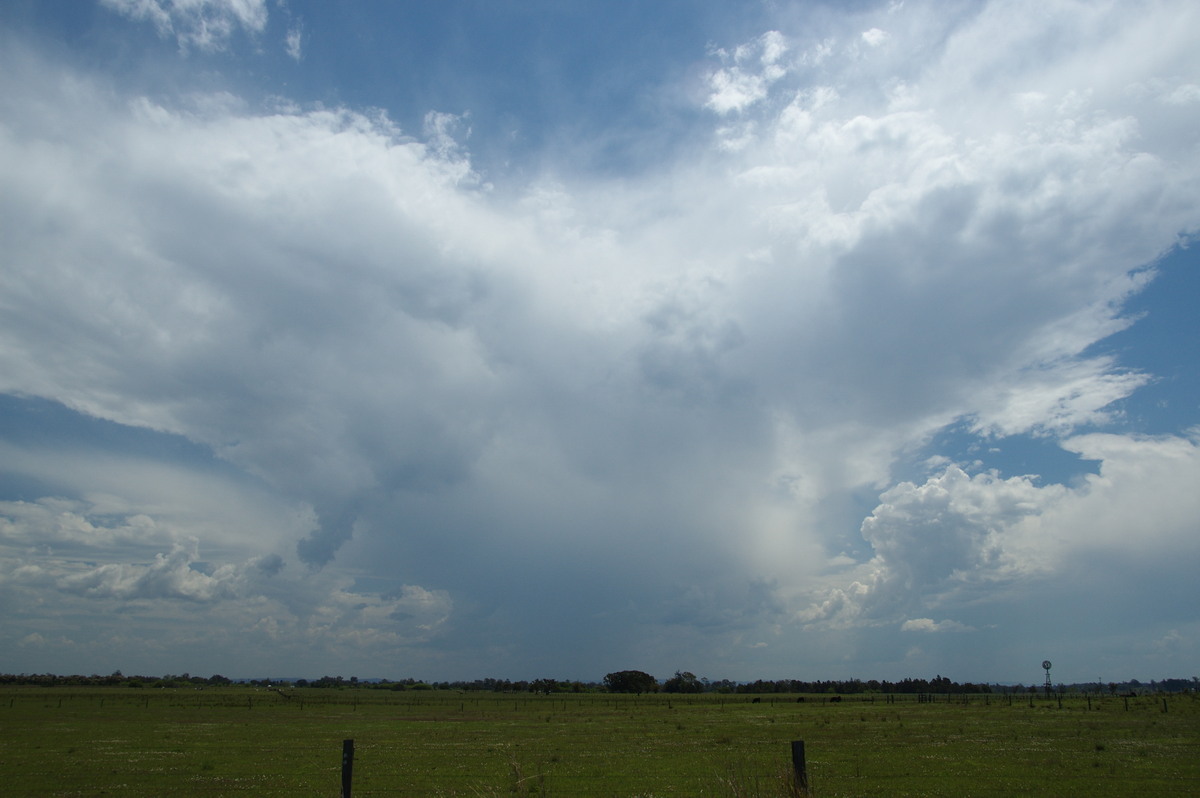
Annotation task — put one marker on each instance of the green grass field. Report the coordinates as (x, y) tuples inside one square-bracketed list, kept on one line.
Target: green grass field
[(242, 741)]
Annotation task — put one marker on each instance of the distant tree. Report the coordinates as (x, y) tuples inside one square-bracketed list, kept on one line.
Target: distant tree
[(683, 682), (630, 682)]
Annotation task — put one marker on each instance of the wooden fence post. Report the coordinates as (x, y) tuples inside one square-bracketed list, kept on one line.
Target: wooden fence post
[(799, 767), (347, 766)]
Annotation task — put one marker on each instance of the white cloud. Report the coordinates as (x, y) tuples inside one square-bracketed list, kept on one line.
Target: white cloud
[(668, 387), (960, 539), (294, 42), (447, 134), (949, 535), (126, 500), (875, 37), (54, 553), (930, 626), (53, 522), (1056, 397), (751, 70), (371, 621), (203, 24), (1184, 95), (1141, 504), (169, 576)]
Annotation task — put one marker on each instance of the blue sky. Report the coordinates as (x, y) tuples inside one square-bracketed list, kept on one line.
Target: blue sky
[(536, 339)]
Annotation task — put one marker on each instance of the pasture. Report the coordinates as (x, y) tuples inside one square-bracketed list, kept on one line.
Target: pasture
[(244, 741)]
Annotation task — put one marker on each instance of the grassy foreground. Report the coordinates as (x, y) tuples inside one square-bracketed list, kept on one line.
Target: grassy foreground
[(243, 741)]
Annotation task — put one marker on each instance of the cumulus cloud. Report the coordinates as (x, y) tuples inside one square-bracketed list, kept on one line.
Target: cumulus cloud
[(750, 70), (950, 529), (59, 542), (52, 547), (958, 539), (935, 543), (169, 576), (55, 522)]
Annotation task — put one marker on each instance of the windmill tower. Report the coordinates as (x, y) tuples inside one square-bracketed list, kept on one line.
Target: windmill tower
[(1046, 664)]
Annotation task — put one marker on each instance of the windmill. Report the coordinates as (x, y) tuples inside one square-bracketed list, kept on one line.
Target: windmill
[(1046, 664)]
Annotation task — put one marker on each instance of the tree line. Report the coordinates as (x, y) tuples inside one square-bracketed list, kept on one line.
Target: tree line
[(628, 681), (687, 682), (114, 679)]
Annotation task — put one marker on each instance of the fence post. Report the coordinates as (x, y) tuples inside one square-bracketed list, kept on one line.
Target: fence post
[(347, 766), (798, 766)]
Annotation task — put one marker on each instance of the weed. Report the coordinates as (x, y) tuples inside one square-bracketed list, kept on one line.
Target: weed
[(740, 784), (522, 785)]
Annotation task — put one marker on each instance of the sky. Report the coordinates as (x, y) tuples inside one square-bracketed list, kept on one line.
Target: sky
[(530, 339)]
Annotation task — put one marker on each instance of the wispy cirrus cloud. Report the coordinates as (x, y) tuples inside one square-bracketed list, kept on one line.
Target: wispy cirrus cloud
[(203, 24)]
